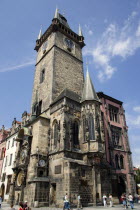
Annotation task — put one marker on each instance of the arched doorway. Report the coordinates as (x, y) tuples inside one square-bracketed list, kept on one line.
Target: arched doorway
[(121, 186)]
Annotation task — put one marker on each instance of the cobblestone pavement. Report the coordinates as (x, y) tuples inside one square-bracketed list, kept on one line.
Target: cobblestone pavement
[(6, 206)]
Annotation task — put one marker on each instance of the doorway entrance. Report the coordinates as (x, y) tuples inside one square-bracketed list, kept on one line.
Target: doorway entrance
[(53, 194)]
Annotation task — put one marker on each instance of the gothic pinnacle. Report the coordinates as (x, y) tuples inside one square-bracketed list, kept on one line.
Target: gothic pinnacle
[(40, 33), (56, 13), (80, 31)]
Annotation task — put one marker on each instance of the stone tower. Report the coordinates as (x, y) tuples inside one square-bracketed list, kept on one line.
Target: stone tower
[(62, 148), (59, 63)]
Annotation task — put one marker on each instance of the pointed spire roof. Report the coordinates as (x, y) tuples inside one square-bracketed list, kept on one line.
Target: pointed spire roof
[(80, 31), (56, 15), (40, 33), (89, 92)]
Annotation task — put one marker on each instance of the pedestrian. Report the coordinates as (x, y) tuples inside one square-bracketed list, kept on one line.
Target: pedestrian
[(25, 206), (12, 207), (104, 200), (111, 200), (20, 206), (123, 197), (130, 198), (66, 202), (79, 205)]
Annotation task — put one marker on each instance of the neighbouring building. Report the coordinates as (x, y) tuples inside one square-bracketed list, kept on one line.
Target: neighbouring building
[(9, 158), (3, 134), (75, 141)]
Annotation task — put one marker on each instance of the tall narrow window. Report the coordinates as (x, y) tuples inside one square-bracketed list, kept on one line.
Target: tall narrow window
[(121, 162), (75, 133), (10, 161), (117, 162), (56, 133), (6, 161), (91, 128), (42, 75), (84, 128), (114, 113)]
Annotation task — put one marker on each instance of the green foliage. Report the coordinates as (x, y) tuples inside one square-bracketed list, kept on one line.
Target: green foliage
[(138, 176)]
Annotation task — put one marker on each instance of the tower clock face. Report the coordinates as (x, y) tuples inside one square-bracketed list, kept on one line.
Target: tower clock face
[(42, 163), (44, 46), (69, 44)]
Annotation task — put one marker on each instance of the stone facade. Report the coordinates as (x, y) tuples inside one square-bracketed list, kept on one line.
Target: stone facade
[(64, 147)]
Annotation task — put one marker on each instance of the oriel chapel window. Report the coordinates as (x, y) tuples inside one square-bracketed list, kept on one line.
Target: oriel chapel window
[(84, 128), (75, 133), (114, 113), (56, 133), (42, 75), (91, 128)]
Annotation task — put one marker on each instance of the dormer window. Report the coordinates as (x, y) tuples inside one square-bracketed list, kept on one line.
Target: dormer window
[(42, 76)]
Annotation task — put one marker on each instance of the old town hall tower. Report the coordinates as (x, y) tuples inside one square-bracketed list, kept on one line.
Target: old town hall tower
[(61, 149)]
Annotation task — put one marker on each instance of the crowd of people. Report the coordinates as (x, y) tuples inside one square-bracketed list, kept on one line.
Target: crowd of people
[(126, 200)]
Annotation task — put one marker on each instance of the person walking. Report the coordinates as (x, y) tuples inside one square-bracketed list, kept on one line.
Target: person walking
[(130, 198), (20, 206), (123, 197), (0, 201), (66, 203), (104, 200), (79, 205), (111, 200)]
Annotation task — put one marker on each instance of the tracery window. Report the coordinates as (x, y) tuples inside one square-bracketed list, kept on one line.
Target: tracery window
[(114, 113), (91, 128), (75, 133), (116, 136), (84, 128), (121, 162), (56, 133), (117, 162)]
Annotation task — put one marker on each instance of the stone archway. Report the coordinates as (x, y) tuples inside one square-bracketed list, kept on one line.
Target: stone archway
[(121, 186)]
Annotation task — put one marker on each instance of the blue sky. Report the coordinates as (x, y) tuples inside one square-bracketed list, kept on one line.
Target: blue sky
[(112, 37)]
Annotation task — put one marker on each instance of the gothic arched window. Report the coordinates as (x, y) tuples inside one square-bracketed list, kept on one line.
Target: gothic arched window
[(117, 161), (121, 162), (56, 133), (75, 133), (91, 128), (84, 128)]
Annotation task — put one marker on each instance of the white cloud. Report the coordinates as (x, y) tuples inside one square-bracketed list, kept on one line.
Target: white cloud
[(115, 41), (133, 121), (90, 32), (18, 66), (136, 108)]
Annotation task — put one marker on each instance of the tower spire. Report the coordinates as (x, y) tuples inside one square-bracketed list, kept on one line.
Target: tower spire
[(40, 33), (80, 31), (89, 92), (56, 13)]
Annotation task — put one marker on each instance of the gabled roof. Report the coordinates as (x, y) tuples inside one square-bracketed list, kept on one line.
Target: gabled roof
[(88, 90), (69, 94)]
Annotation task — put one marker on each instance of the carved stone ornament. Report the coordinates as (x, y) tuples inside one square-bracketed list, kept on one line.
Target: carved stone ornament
[(20, 178)]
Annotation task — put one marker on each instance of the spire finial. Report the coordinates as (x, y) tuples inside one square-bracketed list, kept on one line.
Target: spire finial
[(40, 32), (56, 13), (80, 31)]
